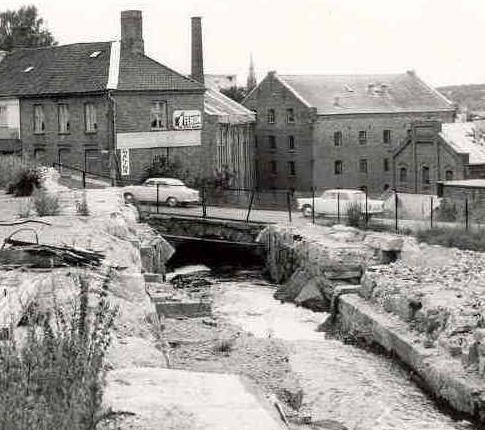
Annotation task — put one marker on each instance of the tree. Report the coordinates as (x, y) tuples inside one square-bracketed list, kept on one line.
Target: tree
[(23, 28), (236, 93)]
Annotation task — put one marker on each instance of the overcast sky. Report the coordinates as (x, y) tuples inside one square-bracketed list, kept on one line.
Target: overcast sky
[(441, 39)]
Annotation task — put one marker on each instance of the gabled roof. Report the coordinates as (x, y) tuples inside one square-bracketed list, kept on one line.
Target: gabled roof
[(465, 138), (226, 109), (343, 94), (85, 67)]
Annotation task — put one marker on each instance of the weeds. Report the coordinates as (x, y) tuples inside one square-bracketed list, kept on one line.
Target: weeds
[(24, 209), (45, 203), (19, 176), (223, 346), (454, 238), (355, 217), (54, 378), (82, 208)]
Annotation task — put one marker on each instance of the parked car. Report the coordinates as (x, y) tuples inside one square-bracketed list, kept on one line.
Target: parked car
[(172, 192), (333, 202)]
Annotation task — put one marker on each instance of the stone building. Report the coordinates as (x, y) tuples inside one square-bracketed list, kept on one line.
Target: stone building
[(337, 131), (435, 152), (108, 108)]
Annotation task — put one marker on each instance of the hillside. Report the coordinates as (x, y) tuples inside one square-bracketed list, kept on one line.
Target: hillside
[(471, 96)]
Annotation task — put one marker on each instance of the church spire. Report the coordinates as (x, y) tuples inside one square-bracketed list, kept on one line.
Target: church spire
[(251, 82)]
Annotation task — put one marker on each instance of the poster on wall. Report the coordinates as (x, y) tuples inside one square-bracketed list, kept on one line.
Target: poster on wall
[(125, 162), (187, 119)]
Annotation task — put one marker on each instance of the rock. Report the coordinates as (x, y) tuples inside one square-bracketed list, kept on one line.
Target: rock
[(290, 290), (291, 395), (384, 242), (310, 297)]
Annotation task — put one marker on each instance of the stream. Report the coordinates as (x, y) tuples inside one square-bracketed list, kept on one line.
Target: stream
[(359, 389)]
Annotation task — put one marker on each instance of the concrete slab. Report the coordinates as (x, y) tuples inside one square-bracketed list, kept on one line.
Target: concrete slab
[(201, 401)]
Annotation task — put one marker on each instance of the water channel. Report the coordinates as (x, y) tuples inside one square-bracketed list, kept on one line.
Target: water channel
[(357, 388)]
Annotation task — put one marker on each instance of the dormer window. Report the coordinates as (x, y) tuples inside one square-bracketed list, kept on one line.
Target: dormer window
[(28, 69)]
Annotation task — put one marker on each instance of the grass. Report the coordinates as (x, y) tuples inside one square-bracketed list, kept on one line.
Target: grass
[(54, 378), (453, 238), (45, 203)]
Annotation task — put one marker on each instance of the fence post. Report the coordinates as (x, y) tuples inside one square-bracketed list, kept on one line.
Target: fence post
[(158, 198), (204, 208), (431, 213), (253, 192), (84, 179), (366, 208), (395, 210), (466, 213), (288, 202), (313, 205)]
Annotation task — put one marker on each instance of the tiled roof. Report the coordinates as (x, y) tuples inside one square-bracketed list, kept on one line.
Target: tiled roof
[(76, 69), (59, 69), (227, 110), (465, 138), (340, 94)]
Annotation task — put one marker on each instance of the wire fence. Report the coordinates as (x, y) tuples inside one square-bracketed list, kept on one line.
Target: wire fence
[(392, 210)]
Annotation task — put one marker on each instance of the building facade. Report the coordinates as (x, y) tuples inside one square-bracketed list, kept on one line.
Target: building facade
[(107, 108), (337, 131), (435, 152)]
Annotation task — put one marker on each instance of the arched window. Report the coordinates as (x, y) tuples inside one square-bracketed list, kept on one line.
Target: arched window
[(449, 175), (403, 174), (425, 175)]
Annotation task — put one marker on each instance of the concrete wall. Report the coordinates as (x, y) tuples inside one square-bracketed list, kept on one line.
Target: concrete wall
[(271, 94)]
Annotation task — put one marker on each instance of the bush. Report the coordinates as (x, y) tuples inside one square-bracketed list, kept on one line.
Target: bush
[(19, 176), (45, 203), (54, 378), (453, 238), (82, 207), (447, 211), (355, 216)]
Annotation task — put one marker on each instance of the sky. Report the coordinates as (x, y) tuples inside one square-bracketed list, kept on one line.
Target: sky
[(441, 40)]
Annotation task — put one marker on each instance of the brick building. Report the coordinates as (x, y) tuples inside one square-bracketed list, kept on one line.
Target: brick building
[(434, 152), (337, 131), (107, 107)]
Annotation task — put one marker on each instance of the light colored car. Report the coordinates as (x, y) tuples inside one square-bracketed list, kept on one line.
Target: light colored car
[(333, 202), (172, 192)]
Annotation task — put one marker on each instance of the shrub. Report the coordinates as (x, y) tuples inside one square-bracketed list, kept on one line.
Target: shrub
[(19, 176), (82, 207), (355, 217), (223, 346), (447, 211), (453, 238), (54, 378), (45, 203)]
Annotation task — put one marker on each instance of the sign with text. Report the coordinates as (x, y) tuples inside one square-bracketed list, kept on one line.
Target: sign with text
[(125, 162), (187, 119)]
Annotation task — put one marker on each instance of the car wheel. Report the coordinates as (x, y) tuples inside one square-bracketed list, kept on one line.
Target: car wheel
[(307, 211), (129, 198), (172, 202)]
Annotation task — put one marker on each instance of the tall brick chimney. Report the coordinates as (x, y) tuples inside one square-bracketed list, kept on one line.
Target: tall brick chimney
[(197, 71), (132, 32)]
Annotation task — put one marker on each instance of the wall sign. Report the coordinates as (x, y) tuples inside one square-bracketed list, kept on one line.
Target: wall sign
[(187, 119), (125, 162)]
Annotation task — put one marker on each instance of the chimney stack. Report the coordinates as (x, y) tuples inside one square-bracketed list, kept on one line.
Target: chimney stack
[(132, 32), (197, 53)]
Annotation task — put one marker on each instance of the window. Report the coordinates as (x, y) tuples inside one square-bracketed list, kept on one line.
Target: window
[(272, 142), (425, 175), (3, 116), (255, 141), (386, 136), (39, 120), (63, 118), (158, 116), (449, 175), (290, 116), (337, 138), (338, 167), (90, 124), (386, 164), (291, 143), (273, 167), (271, 116), (362, 137), (363, 165), (291, 168), (403, 174)]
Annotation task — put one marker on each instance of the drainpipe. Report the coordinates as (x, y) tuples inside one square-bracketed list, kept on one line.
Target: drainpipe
[(113, 159)]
